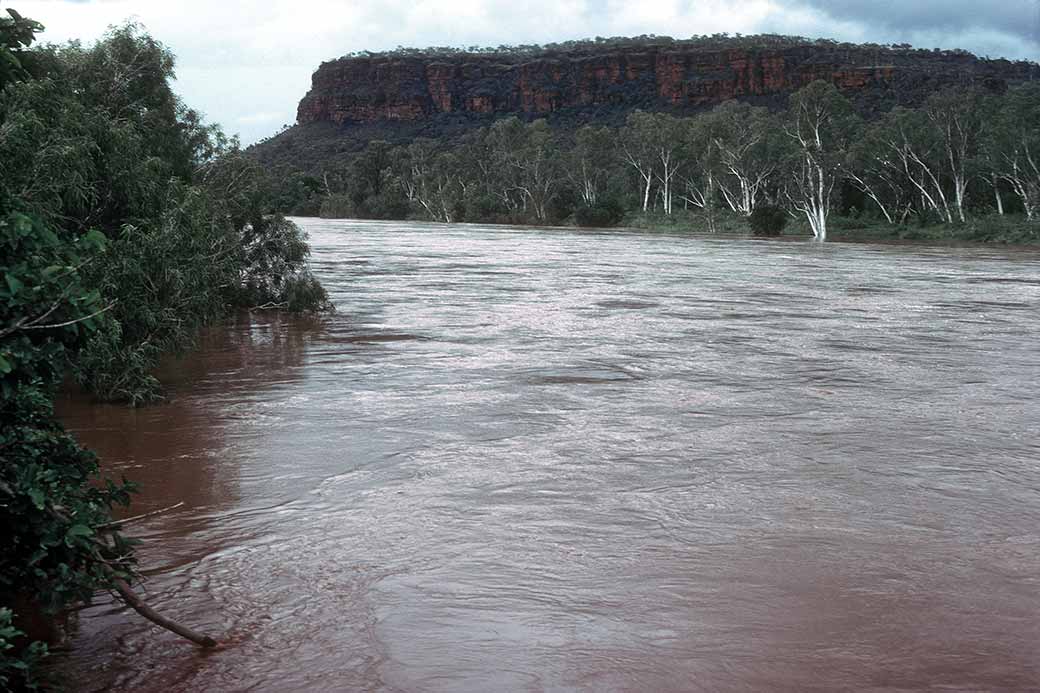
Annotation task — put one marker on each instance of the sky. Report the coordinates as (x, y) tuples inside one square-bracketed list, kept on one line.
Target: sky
[(246, 63)]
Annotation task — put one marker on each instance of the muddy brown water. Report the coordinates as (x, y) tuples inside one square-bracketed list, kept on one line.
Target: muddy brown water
[(523, 460)]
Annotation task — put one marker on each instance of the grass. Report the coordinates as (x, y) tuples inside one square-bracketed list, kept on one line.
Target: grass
[(989, 229)]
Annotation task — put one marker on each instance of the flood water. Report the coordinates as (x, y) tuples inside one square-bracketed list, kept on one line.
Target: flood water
[(531, 460)]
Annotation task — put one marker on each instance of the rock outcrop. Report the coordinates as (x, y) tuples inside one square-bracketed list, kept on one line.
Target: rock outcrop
[(587, 82)]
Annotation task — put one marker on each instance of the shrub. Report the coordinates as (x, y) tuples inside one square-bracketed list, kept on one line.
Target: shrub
[(604, 214), (767, 221)]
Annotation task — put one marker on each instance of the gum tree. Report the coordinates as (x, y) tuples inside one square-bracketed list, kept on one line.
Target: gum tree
[(1012, 144), (821, 123), (955, 116)]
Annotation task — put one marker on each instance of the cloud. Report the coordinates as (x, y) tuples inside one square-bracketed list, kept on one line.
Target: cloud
[(242, 59), (1001, 28), (1014, 17)]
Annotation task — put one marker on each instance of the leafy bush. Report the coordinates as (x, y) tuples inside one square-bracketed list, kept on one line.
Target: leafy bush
[(18, 665), (603, 215), (51, 504), (126, 225), (766, 220)]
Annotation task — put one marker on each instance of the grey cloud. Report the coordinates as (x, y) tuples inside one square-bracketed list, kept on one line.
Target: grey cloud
[(1016, 18)]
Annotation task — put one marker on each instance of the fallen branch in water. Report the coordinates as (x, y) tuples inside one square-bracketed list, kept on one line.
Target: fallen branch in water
[(158, 619), (121, 587), (127, 520), (270, 306)]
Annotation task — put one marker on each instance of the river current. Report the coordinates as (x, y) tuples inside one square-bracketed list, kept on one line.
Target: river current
[(550, 460)]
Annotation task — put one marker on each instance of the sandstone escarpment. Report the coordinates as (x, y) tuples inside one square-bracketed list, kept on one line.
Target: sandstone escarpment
[(592, 81)]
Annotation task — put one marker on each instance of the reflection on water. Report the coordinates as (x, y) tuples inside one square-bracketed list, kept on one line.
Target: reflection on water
[(548, 460)]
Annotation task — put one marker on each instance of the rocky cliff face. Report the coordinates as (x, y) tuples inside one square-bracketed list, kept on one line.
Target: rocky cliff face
[(589, 82)]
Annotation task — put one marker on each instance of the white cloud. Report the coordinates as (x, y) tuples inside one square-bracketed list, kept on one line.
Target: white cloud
[(242, 59)]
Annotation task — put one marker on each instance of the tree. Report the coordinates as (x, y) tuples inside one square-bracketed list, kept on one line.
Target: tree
[(821, 123), (53, 550), (956, 116), (16, 35), (126, 224), (876, 169), (528, 165), (749, 153), (652, 144), (372, 184), (1012, 144), (914, 146), (539, 166), (589, 162), (701, 177), (638, 151), (432, 180)]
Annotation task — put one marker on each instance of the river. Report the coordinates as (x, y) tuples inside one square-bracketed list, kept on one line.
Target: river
[(551, 460)]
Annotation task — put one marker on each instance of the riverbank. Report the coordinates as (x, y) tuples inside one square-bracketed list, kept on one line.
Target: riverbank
[(988, 230)]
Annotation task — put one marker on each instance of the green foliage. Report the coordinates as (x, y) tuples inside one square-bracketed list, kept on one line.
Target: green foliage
[(19, 671), (603, 214), (16, 35), (101, 142), (712, 42), (126, 225), (50, 504), (767, 220), (1010, 146), (962, 153)]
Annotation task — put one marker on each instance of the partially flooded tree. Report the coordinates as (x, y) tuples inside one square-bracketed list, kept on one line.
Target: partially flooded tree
[(821, 123)]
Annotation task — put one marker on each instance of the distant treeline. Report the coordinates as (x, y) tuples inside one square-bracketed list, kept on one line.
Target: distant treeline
[(712, 42), (964, 154)]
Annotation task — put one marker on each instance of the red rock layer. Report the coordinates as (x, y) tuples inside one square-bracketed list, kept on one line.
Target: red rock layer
[(389, 88)]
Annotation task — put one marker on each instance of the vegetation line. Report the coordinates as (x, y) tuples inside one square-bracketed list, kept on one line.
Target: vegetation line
[(962, 166), (126, 225)]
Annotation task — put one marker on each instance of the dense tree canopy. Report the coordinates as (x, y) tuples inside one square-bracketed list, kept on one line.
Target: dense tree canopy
[(719, 41), (965, 155), (126, 224)]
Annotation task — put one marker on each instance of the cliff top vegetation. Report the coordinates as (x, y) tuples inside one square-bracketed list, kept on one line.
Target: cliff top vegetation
[(706, 42)]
